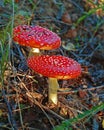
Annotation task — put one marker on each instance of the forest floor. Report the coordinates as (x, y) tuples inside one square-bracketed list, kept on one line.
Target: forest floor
[(24, 99)]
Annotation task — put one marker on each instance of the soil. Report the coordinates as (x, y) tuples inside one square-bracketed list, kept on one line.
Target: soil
[(24, 93)]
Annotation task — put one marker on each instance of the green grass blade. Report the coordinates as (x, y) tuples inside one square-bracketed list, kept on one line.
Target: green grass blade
[(67, 123), (90, 12)]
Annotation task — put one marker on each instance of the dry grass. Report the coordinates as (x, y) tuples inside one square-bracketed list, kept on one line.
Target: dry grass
[(23, 99)]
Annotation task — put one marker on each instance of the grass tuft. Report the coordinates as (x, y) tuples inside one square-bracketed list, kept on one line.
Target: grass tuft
[(66, 125)]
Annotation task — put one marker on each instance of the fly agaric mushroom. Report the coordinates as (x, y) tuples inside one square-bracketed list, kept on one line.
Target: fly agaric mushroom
[(36, 37), (55, 67)]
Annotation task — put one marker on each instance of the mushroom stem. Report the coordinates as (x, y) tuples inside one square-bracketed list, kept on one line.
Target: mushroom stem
[(53, 87), (34, 52)]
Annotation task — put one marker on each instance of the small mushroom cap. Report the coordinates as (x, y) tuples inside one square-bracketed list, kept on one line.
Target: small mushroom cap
[(36, 37), (55, 66)]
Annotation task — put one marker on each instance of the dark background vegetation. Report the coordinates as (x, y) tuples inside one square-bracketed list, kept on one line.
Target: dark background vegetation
[(23, 98)]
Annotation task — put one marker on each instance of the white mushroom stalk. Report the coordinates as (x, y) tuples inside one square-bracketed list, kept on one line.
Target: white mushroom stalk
[(34, 52), (52, 92)]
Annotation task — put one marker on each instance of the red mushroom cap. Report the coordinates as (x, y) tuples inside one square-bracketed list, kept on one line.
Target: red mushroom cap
[(59, 67), (36, 37)]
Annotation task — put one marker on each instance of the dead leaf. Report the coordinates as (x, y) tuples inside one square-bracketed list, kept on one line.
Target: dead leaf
[(94, 5), (63, 111), (72, 33), (82, 94), (16, 1), (69, 46), (66, 18)]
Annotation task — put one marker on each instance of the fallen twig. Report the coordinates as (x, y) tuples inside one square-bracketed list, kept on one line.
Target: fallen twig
[(67, 91)]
